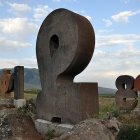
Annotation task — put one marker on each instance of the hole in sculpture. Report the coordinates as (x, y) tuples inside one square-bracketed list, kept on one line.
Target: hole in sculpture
[(54, 44), (124, 86), (56, 120), (128, 99)]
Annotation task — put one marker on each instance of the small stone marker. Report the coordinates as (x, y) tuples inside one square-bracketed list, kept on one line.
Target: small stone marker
[(19, 82), (19, 86), (126, 97), (65, 45)]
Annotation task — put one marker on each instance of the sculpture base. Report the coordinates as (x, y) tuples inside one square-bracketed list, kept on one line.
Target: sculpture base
[(19, 103), (44, 126)]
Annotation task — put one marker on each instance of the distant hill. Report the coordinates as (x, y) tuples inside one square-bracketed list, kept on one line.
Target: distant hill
[(32, 81), (103, 90)]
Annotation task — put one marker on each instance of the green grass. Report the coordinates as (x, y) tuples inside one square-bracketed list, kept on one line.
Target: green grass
[(107, 105), (27, 95), (129, 132)]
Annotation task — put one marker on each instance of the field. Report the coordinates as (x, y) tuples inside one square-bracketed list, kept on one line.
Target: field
[(130, 127)]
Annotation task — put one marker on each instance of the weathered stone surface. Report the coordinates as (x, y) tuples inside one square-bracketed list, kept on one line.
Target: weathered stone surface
[(93, 130), (18, 127), (45, 126), (65, 45), (126, 97), (19, 103)]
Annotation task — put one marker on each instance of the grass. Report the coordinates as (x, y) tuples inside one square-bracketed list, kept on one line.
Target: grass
[(130, 129), (107, 105), (129, 132)]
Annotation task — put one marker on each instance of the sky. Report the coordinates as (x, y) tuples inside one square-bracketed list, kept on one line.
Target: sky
[(115, 22)]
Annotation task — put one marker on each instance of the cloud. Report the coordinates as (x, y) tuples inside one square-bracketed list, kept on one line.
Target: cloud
[(12, 45), (124, 16), (26, 62), (18, 28), (107, 22), (117, 39), (19, 9), (116, 54), (41, 12)]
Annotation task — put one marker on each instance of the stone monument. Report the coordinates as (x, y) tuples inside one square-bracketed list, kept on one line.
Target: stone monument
[(65, 45), (5, 82), (137, 83), (10, 82), (18, 76), (126, 96)]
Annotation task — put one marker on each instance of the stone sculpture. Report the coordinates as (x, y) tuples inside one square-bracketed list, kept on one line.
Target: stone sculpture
[(10, 82), (137, 83), (19, 82), (126, 96), (65, 45), (5, 82)]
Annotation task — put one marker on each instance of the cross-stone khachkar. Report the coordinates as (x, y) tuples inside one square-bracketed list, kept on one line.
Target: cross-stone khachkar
[(126, 96), (65, 45)]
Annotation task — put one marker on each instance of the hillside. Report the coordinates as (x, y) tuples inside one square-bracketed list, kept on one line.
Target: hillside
[(32, 81)]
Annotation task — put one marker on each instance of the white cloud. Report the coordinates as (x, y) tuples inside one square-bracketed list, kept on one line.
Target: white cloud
[(18, 28), (124, 16), (117, 39), (107, 63), (26, 62), (41, 12), (107, 22), (18, 8), (12, 45)]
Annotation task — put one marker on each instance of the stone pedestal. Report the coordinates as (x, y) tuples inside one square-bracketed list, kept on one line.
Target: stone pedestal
[(44, 126), (19, 103)]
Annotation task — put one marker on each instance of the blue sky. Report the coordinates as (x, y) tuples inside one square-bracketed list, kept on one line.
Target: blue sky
[(116, 25)]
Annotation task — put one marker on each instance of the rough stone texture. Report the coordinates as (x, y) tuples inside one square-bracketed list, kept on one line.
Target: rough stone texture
[(65, 45), (43, 127), (93, 130), (4, 82), (126, 97), (7, 102), (18, 127), (137, 83), (19, 82)]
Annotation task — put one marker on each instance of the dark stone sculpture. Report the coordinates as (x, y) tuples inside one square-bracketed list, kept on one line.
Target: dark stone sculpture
[(126, 97), (19, 82), (65, 45)]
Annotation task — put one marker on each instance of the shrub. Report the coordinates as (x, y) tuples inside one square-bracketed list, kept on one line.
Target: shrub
[(129, 132)]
